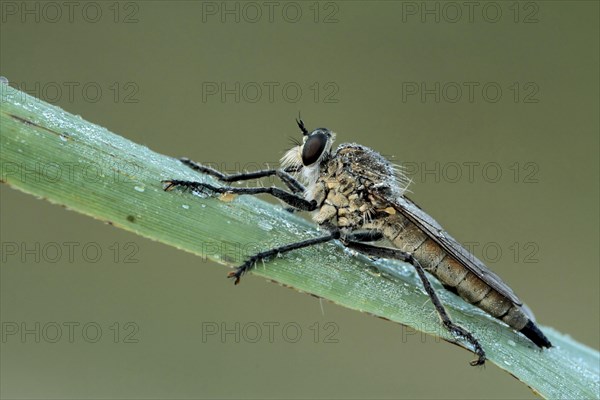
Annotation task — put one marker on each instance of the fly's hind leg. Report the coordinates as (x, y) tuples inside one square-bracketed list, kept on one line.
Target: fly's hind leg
[(457, 330), (370, 235)]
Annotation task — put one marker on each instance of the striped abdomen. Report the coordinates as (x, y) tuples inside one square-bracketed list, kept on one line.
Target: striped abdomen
[(455, 277)]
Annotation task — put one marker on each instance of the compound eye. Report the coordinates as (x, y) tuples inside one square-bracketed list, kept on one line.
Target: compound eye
[(313, 148)]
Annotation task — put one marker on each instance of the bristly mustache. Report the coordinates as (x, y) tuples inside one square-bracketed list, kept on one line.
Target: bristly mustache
[(293, 158)]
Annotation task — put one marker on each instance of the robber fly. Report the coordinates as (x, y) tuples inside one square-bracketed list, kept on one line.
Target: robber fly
[(359, 198)]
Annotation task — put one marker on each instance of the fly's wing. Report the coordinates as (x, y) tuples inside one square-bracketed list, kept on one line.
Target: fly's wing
[(434, 230)]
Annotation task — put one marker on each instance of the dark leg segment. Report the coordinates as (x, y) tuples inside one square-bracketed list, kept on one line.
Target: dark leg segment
[(289, 198), (290, 182), (364, 236), (249, 264), (385, 252)]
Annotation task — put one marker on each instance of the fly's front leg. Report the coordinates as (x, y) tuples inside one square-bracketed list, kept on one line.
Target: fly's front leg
[(289, 198), (292, 184), (385, 252), (251, 262)]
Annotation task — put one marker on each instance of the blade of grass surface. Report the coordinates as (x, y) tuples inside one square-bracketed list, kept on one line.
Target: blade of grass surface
[(60, 157)]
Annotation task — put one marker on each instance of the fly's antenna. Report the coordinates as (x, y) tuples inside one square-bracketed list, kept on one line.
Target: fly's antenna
[(301, 125)]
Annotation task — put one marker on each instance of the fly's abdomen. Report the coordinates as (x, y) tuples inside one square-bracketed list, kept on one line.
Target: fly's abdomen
[(453, 275)]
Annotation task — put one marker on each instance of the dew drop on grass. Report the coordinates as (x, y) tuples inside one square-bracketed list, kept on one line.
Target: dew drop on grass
[(264, 225)]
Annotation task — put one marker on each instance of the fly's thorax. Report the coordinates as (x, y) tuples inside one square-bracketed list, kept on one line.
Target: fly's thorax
[(343, 192), (347, 184)]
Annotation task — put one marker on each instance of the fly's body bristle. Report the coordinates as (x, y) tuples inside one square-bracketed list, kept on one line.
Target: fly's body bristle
[(402, 180)]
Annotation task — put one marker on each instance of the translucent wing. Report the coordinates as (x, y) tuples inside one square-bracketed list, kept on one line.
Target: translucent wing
[(434, 230)]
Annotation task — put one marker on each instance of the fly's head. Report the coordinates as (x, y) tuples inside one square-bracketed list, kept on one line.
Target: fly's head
[(311, 155)]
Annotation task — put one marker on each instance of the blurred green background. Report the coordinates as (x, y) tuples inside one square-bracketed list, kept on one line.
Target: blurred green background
[(493, 109)]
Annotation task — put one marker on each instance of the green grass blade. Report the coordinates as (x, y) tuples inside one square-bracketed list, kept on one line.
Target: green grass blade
[(52, 154)]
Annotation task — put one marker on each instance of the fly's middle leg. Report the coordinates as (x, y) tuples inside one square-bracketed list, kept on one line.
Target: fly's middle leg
[(249, 264), (385, 252)]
